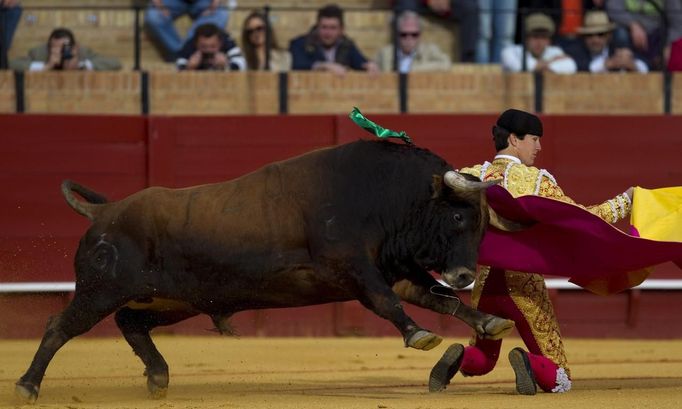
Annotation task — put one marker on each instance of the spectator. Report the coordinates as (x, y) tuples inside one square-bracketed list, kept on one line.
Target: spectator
[(413, 54), (253, 42), (465, 12), (640, 26), (211, 49), (62, 52), (540, 55), (326, 47), (497, 25), (10, 13), (597, 53), (161, 14), (552, 8)]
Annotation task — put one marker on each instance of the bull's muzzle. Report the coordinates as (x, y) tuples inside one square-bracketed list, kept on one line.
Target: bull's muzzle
[(459, 277)]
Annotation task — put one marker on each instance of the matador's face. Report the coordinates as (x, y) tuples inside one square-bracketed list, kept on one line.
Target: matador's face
[(527, 149)]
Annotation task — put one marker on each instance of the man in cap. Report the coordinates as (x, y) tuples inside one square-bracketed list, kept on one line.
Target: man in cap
[(597, 53), (519, 296), (540, 55)]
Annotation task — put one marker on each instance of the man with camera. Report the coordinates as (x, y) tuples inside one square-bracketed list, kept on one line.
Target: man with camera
[(63, 53), (211, 49)]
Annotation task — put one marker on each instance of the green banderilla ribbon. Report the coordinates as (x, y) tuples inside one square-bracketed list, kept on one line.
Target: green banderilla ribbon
[(375, 129)]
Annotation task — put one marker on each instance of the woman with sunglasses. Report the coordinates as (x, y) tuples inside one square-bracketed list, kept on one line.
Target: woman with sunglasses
[(254, 32)]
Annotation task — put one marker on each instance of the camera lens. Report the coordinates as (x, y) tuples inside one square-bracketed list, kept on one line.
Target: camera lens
[(67, 52)]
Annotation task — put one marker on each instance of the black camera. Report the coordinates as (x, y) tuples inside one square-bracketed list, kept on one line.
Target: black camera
[(67, 51), (67, 54), (206, 61)]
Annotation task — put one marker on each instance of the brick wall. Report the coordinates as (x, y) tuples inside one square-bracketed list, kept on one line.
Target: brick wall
[(203, 93), (7, 95), (466, 89), (83, 92)]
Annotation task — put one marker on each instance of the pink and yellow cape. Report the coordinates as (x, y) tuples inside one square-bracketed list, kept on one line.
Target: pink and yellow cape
[(567, 240)]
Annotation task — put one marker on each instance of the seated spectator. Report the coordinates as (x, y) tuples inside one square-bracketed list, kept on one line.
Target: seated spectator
[(161, 14), (597, 52), (10, 14), (326, 48), (211, 49), (540, 55), (464, 12), (413, 54), (640, 26), (253, 43), (62, 52)]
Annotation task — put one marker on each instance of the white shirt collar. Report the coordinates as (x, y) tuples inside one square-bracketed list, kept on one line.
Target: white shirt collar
[(509, 157), (405, 60)]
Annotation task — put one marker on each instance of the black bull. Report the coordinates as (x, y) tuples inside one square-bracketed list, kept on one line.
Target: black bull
[(365, 221)]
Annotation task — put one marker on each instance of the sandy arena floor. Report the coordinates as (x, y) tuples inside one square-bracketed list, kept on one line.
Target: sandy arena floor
[(219, 372)]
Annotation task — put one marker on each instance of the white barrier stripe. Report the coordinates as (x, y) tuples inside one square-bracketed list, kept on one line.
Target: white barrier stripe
[(44, 287), (564, 284), (552, 283)]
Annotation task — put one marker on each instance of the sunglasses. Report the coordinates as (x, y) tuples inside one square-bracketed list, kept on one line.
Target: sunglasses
[(596, 35), (257, 29), (408, 34)]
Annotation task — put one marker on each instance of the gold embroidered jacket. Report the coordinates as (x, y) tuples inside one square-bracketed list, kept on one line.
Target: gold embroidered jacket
[(521, 180)]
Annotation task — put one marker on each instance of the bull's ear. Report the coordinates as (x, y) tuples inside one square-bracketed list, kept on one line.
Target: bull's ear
[(436, 186)]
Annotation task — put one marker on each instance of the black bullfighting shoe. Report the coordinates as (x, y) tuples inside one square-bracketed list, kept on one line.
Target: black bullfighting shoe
[(525, 380), (446, 368)]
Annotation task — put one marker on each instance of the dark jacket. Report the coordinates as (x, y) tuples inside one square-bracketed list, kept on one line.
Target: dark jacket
[(306, 50), (580, 54)]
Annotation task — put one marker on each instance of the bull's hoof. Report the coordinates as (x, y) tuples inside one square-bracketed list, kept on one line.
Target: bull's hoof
[(423, 340), (157, 385), (497, 328), (26, 392)]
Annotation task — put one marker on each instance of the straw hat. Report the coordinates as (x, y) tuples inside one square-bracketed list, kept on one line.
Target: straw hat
[(596, 22), (539, 22)]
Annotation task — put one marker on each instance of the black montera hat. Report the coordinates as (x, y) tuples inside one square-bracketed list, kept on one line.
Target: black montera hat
[(520, 122)]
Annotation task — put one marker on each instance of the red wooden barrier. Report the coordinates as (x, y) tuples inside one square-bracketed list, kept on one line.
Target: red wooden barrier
[(592, 157), (186, 151), (39, 231)]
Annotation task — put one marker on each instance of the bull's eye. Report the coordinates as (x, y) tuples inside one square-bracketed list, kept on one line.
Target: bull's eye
[(458, 217)]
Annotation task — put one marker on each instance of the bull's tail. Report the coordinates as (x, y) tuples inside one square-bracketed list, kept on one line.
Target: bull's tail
[(86, 208)]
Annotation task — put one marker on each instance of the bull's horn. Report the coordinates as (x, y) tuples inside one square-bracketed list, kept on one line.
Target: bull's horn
[(457, 182), (504, 224)]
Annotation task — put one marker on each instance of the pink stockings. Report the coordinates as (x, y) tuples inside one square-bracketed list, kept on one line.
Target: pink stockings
[(481, 358)]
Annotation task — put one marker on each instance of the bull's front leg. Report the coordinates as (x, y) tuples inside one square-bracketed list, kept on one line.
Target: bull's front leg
[(445, 301), (376, 295)]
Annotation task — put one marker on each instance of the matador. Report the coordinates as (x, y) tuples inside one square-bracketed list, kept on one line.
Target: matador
[(519, 296)]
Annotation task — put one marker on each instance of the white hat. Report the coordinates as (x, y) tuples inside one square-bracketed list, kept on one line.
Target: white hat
[(596, 22)]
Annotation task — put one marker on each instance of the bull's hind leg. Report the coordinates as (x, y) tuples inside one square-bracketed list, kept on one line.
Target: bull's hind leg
[(445, 301), (135, 326), (80, 315)]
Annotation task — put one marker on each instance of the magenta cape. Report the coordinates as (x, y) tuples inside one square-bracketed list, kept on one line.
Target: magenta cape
[(567, 240)]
